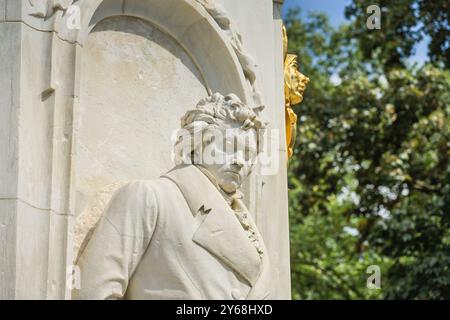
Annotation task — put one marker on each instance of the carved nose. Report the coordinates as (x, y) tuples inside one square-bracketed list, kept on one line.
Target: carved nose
[(237, 164)]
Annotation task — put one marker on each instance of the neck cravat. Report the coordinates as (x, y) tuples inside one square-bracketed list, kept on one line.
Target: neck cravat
[(240, 210)]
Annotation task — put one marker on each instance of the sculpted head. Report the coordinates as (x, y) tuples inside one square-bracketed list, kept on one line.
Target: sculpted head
[(295, 82), (222, 135)]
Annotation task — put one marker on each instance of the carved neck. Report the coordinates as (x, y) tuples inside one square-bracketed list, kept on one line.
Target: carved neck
[(227, 196)]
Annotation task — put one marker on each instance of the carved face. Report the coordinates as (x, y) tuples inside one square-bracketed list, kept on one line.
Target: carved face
[(295, 81), (230, 155)]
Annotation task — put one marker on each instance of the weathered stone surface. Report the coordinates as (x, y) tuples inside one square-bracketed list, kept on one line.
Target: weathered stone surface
[(10, 35), (187, 234), (2, 10), (83, 110), (136, 81), (8, 216)]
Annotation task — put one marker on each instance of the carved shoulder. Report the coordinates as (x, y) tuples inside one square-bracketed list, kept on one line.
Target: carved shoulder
[(133, 209)]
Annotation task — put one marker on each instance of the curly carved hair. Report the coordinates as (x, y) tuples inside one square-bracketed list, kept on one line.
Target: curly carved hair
[(211, 113)]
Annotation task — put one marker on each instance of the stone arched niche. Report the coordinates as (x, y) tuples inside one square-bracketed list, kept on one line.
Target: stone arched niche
[(139, 66), (135, 83), (125, 77), (50, 74)]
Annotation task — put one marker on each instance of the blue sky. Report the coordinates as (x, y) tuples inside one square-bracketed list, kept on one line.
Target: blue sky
[(335, 11), (333, 8)]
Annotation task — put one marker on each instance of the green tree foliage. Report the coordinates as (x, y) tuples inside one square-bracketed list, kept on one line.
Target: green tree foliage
[(370, 178), (404, 23)]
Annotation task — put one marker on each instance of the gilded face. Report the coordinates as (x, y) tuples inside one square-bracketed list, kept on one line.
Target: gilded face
[(295, 81)]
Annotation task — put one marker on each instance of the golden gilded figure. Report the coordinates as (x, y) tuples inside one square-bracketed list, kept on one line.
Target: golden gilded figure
[(294, 86)]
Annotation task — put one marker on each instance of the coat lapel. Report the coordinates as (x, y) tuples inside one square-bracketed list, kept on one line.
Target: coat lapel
[(220, 233)]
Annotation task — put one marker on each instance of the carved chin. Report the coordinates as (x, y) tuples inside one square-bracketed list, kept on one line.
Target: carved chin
[(296, 98), (230, 183)]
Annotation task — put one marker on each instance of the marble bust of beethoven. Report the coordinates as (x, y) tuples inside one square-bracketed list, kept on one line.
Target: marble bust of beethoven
[(187, 234)]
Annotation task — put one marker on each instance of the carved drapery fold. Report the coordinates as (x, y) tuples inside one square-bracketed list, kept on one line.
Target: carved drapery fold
[(248, 64)]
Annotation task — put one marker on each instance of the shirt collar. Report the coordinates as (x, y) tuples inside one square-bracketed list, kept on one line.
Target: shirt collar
[(229, 197)]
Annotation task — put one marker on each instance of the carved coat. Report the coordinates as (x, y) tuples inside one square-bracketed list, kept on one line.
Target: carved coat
[(172, 238)]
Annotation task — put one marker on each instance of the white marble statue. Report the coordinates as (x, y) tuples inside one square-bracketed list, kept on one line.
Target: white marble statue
[(187, 234)]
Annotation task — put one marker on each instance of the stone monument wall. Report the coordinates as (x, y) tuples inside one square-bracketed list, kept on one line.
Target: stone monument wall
[(91, 91)]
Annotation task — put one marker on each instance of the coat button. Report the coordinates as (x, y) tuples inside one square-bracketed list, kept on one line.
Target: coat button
[(236, 294)]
